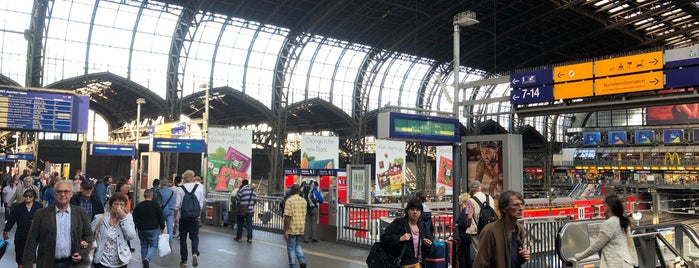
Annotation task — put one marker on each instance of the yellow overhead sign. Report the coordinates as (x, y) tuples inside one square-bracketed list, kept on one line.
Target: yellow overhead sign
[(572, 72), (629, 83), (572, 90), (629, 64)]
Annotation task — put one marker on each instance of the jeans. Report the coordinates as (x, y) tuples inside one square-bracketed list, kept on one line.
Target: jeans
[(169, 215), (293, 248), (244, 221), (149, 243), (190, 227), (311, 224)]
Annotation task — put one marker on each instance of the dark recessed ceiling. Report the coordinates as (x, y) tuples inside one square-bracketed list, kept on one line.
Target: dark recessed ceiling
[(511, 35)]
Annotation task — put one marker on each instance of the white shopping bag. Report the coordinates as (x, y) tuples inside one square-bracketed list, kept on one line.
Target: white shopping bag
[(163, 244)]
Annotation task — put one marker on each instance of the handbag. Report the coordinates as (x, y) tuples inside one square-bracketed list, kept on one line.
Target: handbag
[(242, 210), (415, 265), (91, 254)]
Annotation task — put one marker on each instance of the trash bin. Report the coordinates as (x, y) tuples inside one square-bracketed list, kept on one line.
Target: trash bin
[(212, 212)]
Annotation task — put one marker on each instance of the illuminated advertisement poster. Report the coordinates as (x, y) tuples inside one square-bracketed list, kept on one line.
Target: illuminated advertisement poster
[(319, 152), (644, 137), (673, 114), (592, 138), (390, 164), (445, 180), (230, 158), (485, 165), (672, 136), (616, 137)]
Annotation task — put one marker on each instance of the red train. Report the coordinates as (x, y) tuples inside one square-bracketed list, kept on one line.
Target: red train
[(581, 208)]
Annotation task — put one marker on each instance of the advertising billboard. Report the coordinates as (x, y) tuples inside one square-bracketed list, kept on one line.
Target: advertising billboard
[(673, 114), (616, 137), (644, 137), (592, 138), (672, 136)]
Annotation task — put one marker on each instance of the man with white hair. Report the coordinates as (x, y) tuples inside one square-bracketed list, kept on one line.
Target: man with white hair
[(19, 193), (477, 193)]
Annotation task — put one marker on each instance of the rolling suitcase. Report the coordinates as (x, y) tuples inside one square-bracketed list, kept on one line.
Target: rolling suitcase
[(452, 258), (438, 258)]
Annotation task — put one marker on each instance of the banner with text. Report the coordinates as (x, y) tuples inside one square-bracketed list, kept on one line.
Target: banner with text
[(390, 163), (230, 158), (319, 152), (445, 182)]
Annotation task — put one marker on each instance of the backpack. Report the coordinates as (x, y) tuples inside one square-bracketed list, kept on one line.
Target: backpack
[(157, 196), (487, 214), (190, 205), (310, 196)]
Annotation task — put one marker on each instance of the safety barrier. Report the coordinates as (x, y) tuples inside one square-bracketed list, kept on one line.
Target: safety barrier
[(268, 214), (540, 239)]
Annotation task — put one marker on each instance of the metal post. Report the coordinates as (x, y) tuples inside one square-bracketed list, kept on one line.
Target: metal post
[(205, 134), (137, 177)]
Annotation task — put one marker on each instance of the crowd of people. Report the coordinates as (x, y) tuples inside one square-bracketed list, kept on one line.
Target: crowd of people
[(63, 223)]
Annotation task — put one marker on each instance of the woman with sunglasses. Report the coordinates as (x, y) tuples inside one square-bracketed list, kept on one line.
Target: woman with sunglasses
[(22, 214)]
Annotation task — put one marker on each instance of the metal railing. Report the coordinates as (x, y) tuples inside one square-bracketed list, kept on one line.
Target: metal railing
[(268, 214)]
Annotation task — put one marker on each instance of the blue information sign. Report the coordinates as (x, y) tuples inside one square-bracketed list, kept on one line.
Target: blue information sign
[(112, 149), (20, 156), (531, 95), (685, 77), (530, 79), (178, 145)]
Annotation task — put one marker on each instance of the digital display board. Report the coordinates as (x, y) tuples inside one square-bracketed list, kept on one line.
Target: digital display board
[(112, 149), (592, 138), (672, 136), (616, 137), (644, 137), (178, 145), (412, 127), (42, 111)]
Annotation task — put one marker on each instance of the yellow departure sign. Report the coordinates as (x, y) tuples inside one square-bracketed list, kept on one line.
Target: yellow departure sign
[(572, 72), (629, 83), (572, 90), (629, 64)]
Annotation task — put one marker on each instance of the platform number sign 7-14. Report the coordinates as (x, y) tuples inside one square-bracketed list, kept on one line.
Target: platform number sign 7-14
[(531, 95)]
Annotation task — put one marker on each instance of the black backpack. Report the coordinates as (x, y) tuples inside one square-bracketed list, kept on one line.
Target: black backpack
[(190, 208), (487, 214), (157, 196), (310, 196)]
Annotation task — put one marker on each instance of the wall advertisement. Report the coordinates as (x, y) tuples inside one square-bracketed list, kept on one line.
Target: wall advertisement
[(319, 152), (445, 181), (390, 164), (230, 158)]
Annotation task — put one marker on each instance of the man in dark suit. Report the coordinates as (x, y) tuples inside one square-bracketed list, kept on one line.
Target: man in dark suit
[(61, 231)]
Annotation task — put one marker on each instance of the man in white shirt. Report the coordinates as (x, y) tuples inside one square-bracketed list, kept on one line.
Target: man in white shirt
[(189, 225), (476, 192)]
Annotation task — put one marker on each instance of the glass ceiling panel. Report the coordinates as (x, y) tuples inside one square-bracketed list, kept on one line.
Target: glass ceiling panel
[(324, 66), (412, 85), (199, 55), (347, 70), (263, 58), (14, 19), (65, 41), (298, 78), (232, 51), (151, 47)]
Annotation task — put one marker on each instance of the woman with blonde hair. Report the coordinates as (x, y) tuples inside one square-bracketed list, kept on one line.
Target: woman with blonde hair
[(464, 220)]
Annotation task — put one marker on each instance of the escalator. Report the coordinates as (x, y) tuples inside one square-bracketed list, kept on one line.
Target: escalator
[(664, 246)]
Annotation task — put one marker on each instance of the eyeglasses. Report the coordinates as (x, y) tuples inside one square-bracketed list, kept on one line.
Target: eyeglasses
[(63, 192), (26, 195)]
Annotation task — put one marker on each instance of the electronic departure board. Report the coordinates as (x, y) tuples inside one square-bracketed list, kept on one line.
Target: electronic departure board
[(43, 111), (411, 127)]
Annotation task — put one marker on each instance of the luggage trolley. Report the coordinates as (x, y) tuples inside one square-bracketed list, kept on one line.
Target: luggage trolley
[(216, 208)]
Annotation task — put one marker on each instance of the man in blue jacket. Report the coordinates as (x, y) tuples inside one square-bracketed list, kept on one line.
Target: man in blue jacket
[(167, 203)]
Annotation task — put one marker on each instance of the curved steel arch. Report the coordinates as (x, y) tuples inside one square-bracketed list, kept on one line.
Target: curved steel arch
[(228, 107), (4, 80), (115, 103)]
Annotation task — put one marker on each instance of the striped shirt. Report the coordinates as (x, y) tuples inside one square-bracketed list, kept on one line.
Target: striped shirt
[(246, 196), (295, 207)]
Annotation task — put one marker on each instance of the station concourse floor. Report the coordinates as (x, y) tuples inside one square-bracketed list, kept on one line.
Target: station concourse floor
[(218, 249)]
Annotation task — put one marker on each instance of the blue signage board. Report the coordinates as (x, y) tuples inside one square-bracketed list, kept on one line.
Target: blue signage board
[(644, 137), (684, 77), (531, 95), (616, 137), (530, 79), (43, 111), (179, 129), (19, 156), (112, 149), (592, 138), (672, 136), (178, 145)]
